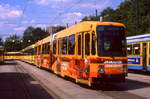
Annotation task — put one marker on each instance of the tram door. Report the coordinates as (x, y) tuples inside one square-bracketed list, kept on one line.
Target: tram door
[(87, 53), (144, 56), (51, 56), (58, 66)]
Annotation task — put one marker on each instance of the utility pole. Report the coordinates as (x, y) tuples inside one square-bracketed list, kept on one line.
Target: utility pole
[(96, 14), (75, 22), (67, 25)]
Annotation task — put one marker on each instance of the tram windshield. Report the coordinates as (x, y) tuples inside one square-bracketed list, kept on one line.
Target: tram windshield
[(111, 41)]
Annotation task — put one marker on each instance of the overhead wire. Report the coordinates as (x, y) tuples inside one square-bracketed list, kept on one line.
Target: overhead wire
[(53, 20), (69, 8), (24, 10)]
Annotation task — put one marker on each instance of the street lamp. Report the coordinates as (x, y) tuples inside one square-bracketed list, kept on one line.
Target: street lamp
[(13, 44), (29, 41)]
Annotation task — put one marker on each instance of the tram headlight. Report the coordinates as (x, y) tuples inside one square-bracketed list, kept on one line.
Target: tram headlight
[(124, 69), (101, 69)]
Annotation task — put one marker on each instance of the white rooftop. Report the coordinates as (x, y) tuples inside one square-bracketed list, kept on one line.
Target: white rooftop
[(138, 38), (1, 47)]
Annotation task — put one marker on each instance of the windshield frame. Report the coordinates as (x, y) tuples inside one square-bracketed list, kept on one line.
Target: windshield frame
[(118, 33)]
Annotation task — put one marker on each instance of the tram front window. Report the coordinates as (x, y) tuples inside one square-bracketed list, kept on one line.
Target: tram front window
[(111, 41)]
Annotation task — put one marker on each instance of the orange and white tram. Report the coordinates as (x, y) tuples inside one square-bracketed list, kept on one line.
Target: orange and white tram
[(87, 52)]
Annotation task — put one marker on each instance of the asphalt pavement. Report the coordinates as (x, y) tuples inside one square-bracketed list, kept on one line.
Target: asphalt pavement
[(19, 80), (15, 83)]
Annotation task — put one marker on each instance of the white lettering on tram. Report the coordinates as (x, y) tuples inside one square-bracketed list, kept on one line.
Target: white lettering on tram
[(114, 65), (131, 60), (113, 62)]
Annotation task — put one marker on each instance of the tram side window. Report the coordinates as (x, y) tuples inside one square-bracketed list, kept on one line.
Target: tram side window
[(129, 49), (87, 44), (39, 49), (47, 48), (25, 53), (59, 46), (136, 49), (28, 52), (64, 45), (54, 47), (71, 47), (93, 44), (32, 51), (35, 50), (79, 45), (43, 48), (1, 53)]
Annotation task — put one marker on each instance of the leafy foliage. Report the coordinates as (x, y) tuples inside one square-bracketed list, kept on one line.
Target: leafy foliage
[(135, 14), (13, 43), (32, 35), (1, 42)]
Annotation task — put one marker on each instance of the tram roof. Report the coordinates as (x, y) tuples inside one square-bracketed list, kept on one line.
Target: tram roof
[(1, 47), (138, 38), (12, 52), (84, 26), (28, 47), (81, 27)]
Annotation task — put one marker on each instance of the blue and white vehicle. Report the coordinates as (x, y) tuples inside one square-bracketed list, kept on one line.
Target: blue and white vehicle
[(138, 50)]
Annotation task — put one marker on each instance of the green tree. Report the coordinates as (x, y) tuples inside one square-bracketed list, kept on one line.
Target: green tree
[(1, 41), (39, 34), (32, 35), (13, 43), (59, 28), (125, 14), (89, 18), (135, 14), (108, 14), (28, 38), (86, 18)]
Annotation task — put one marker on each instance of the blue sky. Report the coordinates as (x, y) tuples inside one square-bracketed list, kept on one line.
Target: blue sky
[(17, 15)]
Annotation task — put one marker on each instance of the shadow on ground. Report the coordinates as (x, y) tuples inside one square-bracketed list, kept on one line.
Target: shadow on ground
[(128, 85), (16, 85), (140, 72)]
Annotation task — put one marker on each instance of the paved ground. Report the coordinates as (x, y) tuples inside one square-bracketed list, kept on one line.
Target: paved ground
[(41, 84), (15, 83)]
